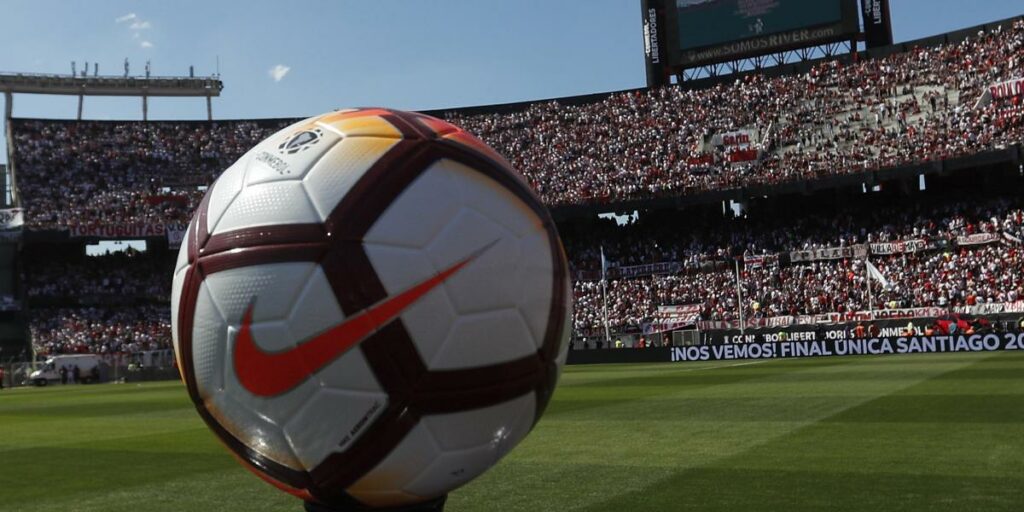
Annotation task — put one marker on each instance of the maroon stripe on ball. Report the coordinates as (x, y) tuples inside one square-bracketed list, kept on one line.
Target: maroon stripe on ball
[(264, 235), (409, 132), (262, 255), (444, 391)]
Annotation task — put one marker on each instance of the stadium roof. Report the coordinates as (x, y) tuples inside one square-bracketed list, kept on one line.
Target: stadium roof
[(31, 83)]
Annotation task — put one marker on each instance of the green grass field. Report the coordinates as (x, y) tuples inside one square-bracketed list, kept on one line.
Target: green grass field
[(936, 432)]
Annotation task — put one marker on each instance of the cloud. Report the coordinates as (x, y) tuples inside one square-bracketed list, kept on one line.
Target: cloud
[(136, 27), (278, 72)]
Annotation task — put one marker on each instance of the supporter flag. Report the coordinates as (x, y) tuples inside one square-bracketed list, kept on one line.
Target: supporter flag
[(876, 274)]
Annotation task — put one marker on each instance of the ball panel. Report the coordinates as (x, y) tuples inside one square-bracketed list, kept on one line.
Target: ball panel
[(223, 192), (349, 372), (252, 429), (330, 422), (432, 200), (315, 309), (360, 123), (182, 259), (485, 338), (492, 427), (490, 281), (334, 174), (535, 276), (209, 339), (451, 470), (271, 288), (399, 468), (495, 202), (274, 203), (272, 336)]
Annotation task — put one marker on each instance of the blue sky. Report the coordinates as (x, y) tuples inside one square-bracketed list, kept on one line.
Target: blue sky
[(410, 54)]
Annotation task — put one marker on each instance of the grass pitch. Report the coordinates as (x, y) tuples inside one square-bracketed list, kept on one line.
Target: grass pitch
[(922, 432)]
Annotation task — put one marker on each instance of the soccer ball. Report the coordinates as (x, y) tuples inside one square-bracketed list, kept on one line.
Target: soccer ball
[(370, 308)]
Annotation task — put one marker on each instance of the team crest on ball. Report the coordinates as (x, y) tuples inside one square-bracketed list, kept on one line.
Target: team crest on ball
[(301, 141), (370, 308)]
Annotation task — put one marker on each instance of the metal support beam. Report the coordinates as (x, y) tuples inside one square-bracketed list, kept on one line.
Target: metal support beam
[(8, 104), (145, 108), (81, 99), (209, 109)]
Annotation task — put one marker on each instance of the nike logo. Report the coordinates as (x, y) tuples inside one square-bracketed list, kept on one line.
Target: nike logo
[(270, 374)]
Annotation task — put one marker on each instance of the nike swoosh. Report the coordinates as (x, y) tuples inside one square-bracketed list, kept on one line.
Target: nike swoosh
[(270, 374)]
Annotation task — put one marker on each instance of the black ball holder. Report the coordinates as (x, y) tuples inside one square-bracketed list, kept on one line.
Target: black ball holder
[(434, 505)]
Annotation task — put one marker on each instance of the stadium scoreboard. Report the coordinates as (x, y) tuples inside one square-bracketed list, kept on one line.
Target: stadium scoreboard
[(683, 34)]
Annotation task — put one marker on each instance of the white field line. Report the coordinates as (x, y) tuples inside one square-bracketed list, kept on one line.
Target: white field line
[(723, 366)]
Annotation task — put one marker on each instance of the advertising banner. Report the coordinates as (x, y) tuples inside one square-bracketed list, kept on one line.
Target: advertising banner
[(877, 23), (706, 31), (655, 56), (118, 230), (850, 347)]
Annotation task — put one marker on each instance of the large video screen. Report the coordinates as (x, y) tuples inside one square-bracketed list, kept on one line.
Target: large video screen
[(710, 30)]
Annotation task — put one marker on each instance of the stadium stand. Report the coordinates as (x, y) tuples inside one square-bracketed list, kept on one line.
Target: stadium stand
[(101, 330), (57, 277), (837, 119), (947, 252), (110, 304), (925, 105)]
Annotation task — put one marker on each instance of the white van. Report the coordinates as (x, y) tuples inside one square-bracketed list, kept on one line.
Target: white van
[(51, 369)]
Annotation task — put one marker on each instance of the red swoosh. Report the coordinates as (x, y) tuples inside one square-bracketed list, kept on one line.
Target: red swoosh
[(269, 374)]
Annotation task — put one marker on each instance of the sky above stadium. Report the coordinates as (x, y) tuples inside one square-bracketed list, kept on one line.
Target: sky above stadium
[(289, 59)]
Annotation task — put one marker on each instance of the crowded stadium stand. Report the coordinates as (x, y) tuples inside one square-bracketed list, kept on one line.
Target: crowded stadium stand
[(863, 188)]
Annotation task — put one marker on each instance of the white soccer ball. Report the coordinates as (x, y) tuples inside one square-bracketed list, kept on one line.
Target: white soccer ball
[(370, 307)]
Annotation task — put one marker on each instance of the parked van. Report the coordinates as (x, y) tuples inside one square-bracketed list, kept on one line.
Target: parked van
[(50, 372)]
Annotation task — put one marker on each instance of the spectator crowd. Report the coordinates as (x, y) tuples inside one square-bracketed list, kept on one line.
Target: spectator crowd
[(110, 304), (941, 274), (101, 330), (838, 118), (921, 105), (128, 275)]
